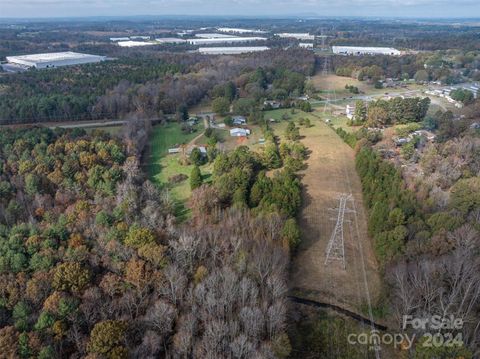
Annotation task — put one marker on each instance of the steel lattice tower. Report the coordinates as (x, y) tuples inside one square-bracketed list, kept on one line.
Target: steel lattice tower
[(336, 244)]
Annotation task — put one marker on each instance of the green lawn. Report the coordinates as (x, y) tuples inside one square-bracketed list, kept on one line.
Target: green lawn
[(161, 166), (162, 138)]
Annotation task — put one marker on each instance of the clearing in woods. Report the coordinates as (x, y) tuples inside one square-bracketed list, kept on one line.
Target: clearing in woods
[(330, 173)]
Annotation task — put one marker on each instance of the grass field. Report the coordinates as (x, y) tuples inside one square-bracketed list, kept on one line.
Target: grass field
[(333, 86), (330, 172), (160, 166), (327, 84)]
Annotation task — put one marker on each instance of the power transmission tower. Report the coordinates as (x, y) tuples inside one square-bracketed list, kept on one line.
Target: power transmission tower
[(325, 73), (336, 244)]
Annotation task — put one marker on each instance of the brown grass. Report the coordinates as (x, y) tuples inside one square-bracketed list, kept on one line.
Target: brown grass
[(330, 172)]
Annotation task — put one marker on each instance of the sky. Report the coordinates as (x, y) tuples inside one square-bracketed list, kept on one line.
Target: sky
[(374, 8)]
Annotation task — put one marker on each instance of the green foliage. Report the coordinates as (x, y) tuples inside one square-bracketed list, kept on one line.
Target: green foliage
[(44, 321), (271, 157), (464, 96), (352, 89), (349, 138), (70, 277), (292, 132), (465, 195), (397, 111), (195, 178), (139, 236), (284, 195), (311, 337), (305, 106), (360, 115), (182, 113), (46, 353), (108, 338), (244, 106), (421, 76), (228, 121), (36, 96), (408, 150), (443, 351), (20, 315), (391, 206), (291, 233), (196, 157), (444, 221), (405, 130), (221, 105), (23, 347)]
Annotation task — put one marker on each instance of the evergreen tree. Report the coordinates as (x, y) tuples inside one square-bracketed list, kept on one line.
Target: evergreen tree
[(360, 115), (195, 178)]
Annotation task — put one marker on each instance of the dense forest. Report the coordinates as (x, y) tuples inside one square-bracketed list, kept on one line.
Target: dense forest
[(152, 86), (425, 230), (93, 263)]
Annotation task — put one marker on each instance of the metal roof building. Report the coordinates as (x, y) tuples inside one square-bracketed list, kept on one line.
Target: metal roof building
[(296, 35), (213, 36), (55, 59), (239, 31), (355, 50), (170, 40), (134, 43)]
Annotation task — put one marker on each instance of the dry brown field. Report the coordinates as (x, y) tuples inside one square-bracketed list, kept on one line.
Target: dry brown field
[(331, 172)]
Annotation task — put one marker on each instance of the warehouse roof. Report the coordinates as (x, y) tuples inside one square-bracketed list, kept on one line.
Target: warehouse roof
[(54, 56)]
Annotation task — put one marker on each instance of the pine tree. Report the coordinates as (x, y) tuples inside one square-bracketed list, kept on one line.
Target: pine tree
[(195, 178), (360, 112)]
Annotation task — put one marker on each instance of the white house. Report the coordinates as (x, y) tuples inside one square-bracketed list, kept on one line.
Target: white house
[(239, 132), (272, 104), (350, 111)]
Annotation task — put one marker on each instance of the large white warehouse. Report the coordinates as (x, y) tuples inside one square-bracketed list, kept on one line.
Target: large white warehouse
[(239, 31), (231, 50), (296, 35), (54, 59), (170, 40), (131, 43), (357, 51)]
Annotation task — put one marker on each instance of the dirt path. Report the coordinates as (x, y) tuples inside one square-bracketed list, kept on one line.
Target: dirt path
[(330, 173)]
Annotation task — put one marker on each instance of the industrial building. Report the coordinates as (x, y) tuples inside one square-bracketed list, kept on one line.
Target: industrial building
[(231, 50), (298, 36), (357, 51), (117, 39), (214, 36), (306, 45), (140, 38), (55, 59), (232, 30), (228, 40), (170, 40), (134, 43)]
